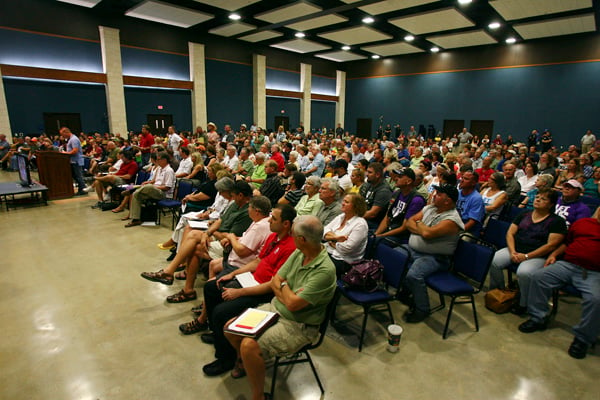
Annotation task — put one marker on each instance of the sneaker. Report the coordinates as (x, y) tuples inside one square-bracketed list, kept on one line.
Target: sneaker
[(218, 367), (578, 349), (530, 326)]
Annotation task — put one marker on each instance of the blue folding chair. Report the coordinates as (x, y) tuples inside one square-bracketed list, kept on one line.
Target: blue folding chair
[(394, 270), (495, 234), (592, 202), (470, 266), (183, 188)]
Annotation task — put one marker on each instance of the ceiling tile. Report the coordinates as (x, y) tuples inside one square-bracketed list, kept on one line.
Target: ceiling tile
[(318, 22), (168, 14), (517, 9), (234, 28), (230, 5), (434, 21), (301, 46), (340, 56), (285, 13), (462, 39), (392, 49), (84, 3), (393, 5), (260, 36), (361, 34), (557, 27)]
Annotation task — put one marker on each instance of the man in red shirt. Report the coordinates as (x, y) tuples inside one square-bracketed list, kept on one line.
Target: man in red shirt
[(125, 174), (277, 157), (580, 267), (485, 171), (224, 298), (146, 142)]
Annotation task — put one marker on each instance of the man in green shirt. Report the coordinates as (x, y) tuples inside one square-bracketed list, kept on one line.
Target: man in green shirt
[(259, 175), (245, 165), (303, 288)]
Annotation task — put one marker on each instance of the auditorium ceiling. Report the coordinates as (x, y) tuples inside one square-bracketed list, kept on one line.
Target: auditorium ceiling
[(348, 30)]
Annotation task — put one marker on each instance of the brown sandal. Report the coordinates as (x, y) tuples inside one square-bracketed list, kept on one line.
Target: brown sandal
[(192, 327), (158, 276), (181, 276), (238, 370), (181, 297)]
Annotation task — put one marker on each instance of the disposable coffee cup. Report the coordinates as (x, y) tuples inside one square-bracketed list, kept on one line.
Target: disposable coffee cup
[(394, 335)]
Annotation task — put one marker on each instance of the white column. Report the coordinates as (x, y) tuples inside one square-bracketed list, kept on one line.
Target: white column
[(259, 89), (340, 92), (198, 78), (115, 93), (305, 87), (4, 120)]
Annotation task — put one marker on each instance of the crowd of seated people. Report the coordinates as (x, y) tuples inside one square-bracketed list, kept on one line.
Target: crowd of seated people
[(276, 202)]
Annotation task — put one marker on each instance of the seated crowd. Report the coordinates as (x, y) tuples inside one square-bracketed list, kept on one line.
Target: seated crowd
[(296, 209)]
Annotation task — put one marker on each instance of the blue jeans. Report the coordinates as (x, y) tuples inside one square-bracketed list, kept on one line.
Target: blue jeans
[(524, 271), (78, 176), (557, 275), (421, 266)]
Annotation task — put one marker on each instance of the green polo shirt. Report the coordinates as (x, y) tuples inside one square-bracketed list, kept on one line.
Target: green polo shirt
[(248, 166), (314, 282), (259, 173), (235, 219)]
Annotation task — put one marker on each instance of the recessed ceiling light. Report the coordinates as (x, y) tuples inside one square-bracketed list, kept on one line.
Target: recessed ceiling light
[(464, 1), (409, 38), (434, 49), (368, 20), (375, 57), (235, 17), (300, 34), (511, 40), (345, 47), (494, 25)]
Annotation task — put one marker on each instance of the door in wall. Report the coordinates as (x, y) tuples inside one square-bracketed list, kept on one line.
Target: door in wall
[(452, 126), (54, 121), (363, 127), (279, 121), (481, 127), (159, 123)]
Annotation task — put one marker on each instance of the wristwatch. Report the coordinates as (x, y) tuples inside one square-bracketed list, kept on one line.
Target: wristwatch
[(284, 283)]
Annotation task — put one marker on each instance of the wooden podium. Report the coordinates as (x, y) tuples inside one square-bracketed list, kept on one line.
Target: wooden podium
[(55, 172)]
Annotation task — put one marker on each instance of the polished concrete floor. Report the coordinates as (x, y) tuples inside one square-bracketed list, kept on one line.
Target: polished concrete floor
[(78, 323)]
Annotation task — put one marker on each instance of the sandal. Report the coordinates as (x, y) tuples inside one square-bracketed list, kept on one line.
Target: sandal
[(195, 326), (160, 246), (181, 297), (117, 210), (197, 309), (125, 218), (181, 276), (158, 276), (238, 370), (134, 222), (180, 267)]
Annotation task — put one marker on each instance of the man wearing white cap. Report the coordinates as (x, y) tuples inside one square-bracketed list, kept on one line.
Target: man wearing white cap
[(569, 206)]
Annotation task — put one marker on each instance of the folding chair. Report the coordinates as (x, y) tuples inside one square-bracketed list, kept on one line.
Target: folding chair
[(183, 188), (495, 234), (302, 355), (471, 263), (394, 271)]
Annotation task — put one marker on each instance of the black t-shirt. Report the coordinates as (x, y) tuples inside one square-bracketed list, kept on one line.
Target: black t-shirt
[(531, 236), (208, 188)]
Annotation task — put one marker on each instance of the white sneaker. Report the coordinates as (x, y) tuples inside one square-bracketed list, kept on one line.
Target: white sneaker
[(107, 197)]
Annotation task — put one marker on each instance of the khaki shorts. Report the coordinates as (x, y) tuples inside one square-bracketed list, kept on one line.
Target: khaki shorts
[(285, 337)]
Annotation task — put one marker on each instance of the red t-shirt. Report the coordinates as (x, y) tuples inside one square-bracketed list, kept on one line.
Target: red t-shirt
[(484, 174), (278, 158), (146, 141), (130, 168), (272, 256), (583, 244)]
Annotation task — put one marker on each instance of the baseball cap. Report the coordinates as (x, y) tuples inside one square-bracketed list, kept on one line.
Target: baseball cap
[(574, 183), (449, 190), (405, 171)]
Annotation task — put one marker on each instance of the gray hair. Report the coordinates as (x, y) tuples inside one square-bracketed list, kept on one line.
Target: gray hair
[(261, 204), (294, 154), (315, 181), (309, 227), (260, 155), (333, 186), (547, 179), (224, 185)]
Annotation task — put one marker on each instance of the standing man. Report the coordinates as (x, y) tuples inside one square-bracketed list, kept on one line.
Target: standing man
[(434, 235), (175, 142), (463, 138), (377, 194), (76, 158), (160, 187), (587, 141), (146, 142), (4, 147), (302, 289)]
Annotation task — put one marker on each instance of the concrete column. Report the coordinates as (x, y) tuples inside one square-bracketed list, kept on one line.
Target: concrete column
[(305, 87), (4, 120), (198, 78), (115, 93), (340, 91), (259, 89)]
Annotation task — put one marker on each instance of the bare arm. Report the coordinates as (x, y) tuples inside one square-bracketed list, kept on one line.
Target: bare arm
[(284, 294)]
